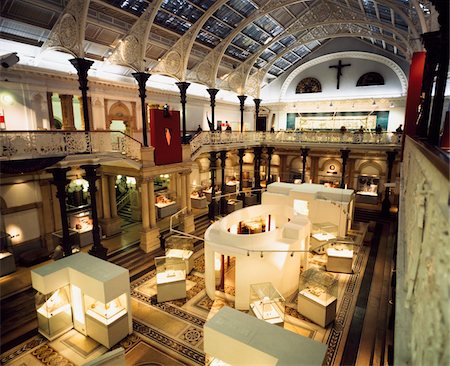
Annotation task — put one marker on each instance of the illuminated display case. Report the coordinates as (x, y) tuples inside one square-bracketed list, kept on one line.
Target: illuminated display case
[(7, 260), (317, 296), (340, 256), (170, 278), (165, 206), (267, 303), (183, 248), (54, 312), (321, 234), (198, 198)]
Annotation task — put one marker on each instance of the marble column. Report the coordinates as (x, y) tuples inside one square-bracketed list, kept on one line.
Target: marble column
[(112, 195), (60, 181), (68, 120), (188, 217), (223, 200), (97, 250), (241, 153), (242, 99), (344, 156), (106, 196), (386, 204), (304, 156), (257, 171), (183, 190), (212, 95), (179, 192), (314, 173), (212, 207), (82, 66), (283, 165), (188, 192), (183, 85), (145, 205), (151, 202), (141, 78), (270, 151)]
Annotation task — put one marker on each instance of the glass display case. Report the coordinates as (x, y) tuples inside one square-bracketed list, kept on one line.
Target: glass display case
[(106, 313), (321, 234), (54, 312), (183, 248), (208, 193), (198, 198), (170, 278), (317, 296), (165, 205), (7, 260), (267, 303), (81, 222), (340, 254), (367, 189)]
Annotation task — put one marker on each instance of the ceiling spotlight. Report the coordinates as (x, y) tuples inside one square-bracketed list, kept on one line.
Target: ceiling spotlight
[(292, 254), (374, 103), (331, 104), (262, 256), (248, 253), (392, 105)]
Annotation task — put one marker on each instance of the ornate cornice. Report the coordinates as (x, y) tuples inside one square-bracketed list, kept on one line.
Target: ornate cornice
[(351, 54)]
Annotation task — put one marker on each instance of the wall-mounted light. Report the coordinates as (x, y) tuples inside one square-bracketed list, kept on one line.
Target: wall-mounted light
[(331, 103), (392, 105), (262, 256), (292, 254), (248, 253)]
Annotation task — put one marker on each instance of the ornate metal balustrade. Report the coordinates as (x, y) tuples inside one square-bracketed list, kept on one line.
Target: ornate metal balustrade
[(17, 145), (206, 141)]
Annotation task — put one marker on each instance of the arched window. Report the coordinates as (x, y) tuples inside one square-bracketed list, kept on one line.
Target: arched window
[(308, 85), (370, 78)]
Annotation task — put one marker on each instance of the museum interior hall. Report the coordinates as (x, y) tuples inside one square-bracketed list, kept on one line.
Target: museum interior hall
[(224, 182)]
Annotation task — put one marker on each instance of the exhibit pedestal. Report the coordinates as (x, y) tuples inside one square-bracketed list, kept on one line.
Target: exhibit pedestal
[(233, 205), (7, 263), (320, 312), (171, 290), (51, 328), (110, 334), (340, 262), (186, 255), (150, 240), (199, 202), (166, 209)]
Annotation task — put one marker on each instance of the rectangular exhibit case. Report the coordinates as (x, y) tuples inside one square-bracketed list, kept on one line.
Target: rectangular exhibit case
[(340, 256), (321, 234), (54, 312), (267, 303), (317, 296), (105, 322), (170, 278)]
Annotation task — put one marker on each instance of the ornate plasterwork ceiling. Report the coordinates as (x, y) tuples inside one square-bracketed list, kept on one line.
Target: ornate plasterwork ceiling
[(231, 44)]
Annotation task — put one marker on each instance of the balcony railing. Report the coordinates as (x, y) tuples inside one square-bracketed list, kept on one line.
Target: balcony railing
[(17, 145), (247, 139)]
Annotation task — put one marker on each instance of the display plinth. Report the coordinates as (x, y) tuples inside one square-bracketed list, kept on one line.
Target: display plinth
[(239, 339), (170, 278), (208, 194), (99, 298), (199, 202), (186, 255), (233, 205), (317, 296), (7, 263), (166, 209), (340, 260), (230, 187), (250, 200), (267, 303)]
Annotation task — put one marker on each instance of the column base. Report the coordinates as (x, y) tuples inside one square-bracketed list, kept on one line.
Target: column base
[(150, 240), (99, 252), (111, 226), (188, 224)]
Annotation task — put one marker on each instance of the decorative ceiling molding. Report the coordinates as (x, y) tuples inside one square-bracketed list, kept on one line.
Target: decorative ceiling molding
[(351, 54), (68, 32), (131, 49)]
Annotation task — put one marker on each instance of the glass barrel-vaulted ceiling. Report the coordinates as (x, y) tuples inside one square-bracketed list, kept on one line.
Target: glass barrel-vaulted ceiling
[(300, 26)]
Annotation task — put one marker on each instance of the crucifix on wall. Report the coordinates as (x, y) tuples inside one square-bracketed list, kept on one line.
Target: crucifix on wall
[(339, 68)]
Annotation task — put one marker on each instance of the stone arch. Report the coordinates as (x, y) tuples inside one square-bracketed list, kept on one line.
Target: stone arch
[(370, 78), (298, 161), (308, 85), (119, 111), (328, 162), (372, 164)]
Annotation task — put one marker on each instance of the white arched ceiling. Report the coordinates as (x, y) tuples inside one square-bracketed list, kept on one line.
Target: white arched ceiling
[(354, 54)]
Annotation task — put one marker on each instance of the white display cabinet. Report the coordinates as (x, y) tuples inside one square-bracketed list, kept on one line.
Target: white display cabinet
[(267, 303), (165, 206), (317, 296), (321, 234), (105, 322), (97, 305), (54, 312), (183, 248), (170, 278), (340, 257)]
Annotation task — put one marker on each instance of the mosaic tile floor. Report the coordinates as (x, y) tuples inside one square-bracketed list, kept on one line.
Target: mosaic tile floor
[(171, 333)]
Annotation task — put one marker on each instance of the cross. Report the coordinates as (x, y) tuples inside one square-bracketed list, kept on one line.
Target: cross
[(339, 68)]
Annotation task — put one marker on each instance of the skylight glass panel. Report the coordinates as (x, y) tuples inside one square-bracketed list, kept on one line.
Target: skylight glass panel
[(136, 7), (282, 64), (312, 45), (228, 16), (388, 34), (385, 13), (256, 33), (236, 53), (291, 57), (204, 4), (374, 29), (217, 28), (172, 22), (301, 51), (260, 63), (276, 47), (243, 7), (369, 8), (183, 9), (269, 25), (389, 47), (275, 71), (246, 43), (208, 39), (267, 55), (286, 41), (400, 23)]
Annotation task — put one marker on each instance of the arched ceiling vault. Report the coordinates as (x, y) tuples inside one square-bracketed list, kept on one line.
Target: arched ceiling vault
[(232, 44)]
